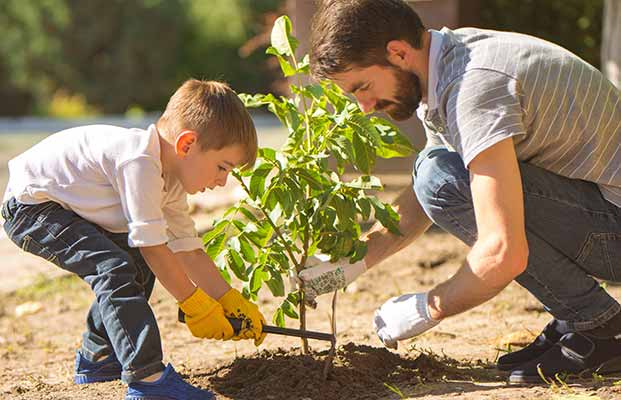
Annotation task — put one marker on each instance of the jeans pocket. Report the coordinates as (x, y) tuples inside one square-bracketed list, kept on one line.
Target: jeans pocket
[(600, 256), (32, 246)]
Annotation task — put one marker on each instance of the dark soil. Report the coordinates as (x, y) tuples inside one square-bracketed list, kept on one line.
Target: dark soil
[(358, 371)]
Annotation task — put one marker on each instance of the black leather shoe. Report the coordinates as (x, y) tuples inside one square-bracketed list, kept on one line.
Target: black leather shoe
[(575, 353), (547, 338)]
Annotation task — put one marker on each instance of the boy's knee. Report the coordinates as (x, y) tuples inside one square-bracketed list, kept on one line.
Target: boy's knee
[(441, 181)]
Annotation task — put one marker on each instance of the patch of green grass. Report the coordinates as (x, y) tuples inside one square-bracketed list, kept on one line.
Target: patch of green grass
[(395, 390), (43, 288)]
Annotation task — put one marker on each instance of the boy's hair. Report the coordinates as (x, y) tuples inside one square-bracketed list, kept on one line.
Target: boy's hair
[(354, 33), (213, 110)]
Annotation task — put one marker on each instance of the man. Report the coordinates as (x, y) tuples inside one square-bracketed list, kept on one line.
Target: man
[(522, 163)]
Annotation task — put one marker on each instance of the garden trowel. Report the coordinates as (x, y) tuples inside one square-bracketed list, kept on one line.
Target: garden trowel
[(237, 327)]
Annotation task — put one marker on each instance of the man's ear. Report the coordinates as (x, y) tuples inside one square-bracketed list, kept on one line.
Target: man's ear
[(397, 52), (184, 142)]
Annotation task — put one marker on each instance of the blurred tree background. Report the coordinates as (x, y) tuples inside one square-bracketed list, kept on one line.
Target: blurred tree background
[(75, 57), (112, 55)]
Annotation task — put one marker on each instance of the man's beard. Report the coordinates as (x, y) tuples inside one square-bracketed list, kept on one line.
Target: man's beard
[(407, 96)]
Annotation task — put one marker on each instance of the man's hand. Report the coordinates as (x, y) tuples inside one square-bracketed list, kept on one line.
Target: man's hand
[(402, 317), (205, 317), (326, 277), (236, 306)]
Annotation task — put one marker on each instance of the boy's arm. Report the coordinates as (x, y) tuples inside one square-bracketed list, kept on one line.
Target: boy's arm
[(204, 316), (165, 267), (203, 272)]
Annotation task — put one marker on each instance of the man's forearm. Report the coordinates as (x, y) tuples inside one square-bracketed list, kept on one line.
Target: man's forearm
[(482, 276), (413, 223), (203, 272)]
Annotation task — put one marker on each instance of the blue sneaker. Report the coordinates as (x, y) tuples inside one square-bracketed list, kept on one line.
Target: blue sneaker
[(86, 371), (170, 386)]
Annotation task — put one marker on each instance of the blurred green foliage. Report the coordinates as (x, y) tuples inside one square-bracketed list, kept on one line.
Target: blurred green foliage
[(119, 53), (573, 24)]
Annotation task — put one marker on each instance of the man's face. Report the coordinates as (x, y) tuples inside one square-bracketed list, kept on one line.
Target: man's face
[(383, 88)]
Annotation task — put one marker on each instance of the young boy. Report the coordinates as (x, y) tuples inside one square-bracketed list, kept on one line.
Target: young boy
[(109, 204)]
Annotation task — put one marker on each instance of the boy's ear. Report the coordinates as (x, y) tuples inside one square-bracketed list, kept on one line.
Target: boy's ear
[(184, 142)]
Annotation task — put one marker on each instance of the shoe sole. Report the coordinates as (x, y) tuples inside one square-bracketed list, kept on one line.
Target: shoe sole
[(82, 379), (148, 398), (608, 367)]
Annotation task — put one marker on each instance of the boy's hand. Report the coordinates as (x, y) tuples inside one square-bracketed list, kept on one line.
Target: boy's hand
[(205, 317), (236, 306)]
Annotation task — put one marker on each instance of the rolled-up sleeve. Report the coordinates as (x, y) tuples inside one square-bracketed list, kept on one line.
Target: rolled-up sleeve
[(182, 235), (140, 187)]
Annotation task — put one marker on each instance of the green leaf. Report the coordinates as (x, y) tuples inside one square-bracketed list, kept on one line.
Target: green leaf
[(267, 154), (246, 249), (360, 250), (216, 245), (366, 182), (259, 234), (281, 38), (248, 214), (256, 279), (225, 275), (313, 178), (279, 318), (345, 211), (289, 309), (217, 229), (275, 282), (363, 154), (304, 65), (286, 68), (386, 215), (257, 181), (236, 264), (393, 143), (294, 298), (364, 205)]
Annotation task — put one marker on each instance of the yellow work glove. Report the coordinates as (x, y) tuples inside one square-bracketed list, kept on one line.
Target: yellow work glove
[(236, 306), (205, 317)]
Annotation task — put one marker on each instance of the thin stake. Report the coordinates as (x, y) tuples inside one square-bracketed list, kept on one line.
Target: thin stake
[(330, 358)]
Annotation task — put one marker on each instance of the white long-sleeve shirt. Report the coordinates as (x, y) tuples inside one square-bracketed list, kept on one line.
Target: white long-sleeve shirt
[(110, 176)]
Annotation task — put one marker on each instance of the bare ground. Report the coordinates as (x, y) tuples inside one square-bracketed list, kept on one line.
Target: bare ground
[(454, 360)]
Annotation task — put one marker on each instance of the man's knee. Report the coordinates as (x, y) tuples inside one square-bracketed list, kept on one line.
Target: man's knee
[(441, 181)]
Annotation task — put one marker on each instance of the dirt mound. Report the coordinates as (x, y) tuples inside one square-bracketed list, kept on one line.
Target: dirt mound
[(358, 372)]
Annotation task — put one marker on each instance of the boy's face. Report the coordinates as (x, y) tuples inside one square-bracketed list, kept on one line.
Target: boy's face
[(199, 170)]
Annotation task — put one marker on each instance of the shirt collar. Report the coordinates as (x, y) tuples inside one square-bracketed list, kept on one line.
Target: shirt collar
[(434, 54)]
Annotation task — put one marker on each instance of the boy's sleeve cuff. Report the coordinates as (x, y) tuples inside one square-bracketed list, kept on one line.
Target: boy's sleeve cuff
[(143, 234)]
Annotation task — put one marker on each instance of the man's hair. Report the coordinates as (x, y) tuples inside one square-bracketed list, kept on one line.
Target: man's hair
[(213, 110), (354, 33)]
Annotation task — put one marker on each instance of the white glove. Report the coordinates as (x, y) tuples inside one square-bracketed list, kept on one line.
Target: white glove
[(326, 277), (402, 317)]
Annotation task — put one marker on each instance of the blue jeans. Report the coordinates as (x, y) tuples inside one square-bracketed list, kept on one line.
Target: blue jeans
[(120, 319), (573, 233)]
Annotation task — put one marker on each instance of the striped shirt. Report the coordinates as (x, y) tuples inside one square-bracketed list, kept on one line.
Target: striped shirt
[(562, 114)]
